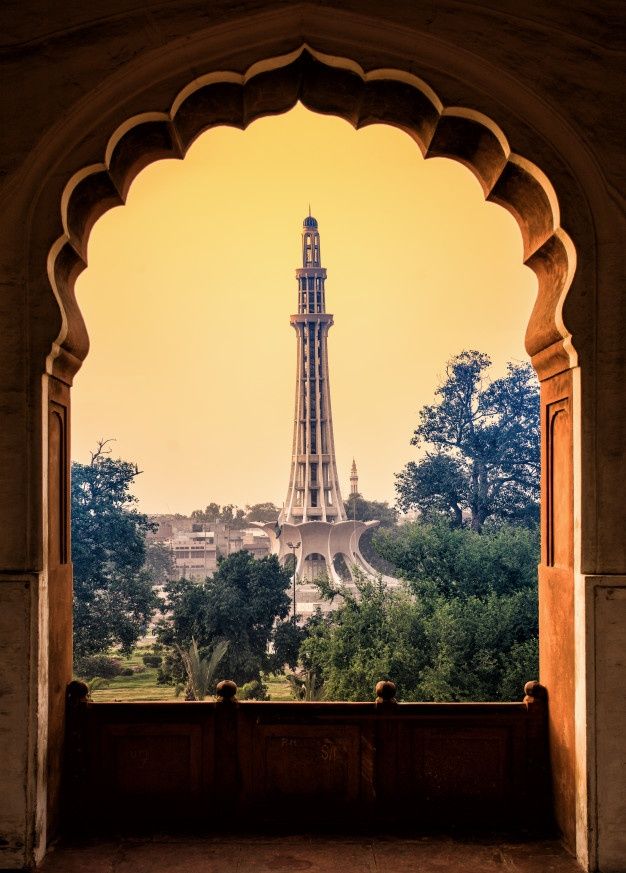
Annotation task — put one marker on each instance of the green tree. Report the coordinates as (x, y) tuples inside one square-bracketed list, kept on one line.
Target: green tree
[(460, 562), (463, 627), (113, 591), (201, 672), (159, 562), (213, 513), (436, 484), (479, 648), (240, 604), (287, 639), (265, 512), (483, 446), (374, 634)]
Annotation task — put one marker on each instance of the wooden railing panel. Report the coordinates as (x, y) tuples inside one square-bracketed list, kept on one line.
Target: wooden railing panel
[(329, 764), (149, 764), (317, 758)]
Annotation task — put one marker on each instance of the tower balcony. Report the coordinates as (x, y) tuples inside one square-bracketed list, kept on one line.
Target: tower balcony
[(317, 457), (312, 272), (305, 317)]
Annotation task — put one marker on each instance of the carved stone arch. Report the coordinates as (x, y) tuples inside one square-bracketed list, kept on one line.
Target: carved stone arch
[(330, 86), (338, 86)]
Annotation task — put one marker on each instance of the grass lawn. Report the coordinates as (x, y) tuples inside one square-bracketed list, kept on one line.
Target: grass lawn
[(143, 686), (139, 686), (278, 688)]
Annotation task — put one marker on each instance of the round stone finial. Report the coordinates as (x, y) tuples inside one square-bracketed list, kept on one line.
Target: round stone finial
[(386, 691), (226, 691), (77, 691), (535, 692)]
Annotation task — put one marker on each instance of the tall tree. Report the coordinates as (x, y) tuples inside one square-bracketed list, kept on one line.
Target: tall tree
[(113, 591), (240, 603), (482, 446)]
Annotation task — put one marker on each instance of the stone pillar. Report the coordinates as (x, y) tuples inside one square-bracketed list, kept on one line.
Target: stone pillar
[(557, 642)]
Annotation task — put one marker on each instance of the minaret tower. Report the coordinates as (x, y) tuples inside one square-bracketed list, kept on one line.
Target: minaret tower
[(354, 479), (313, 493), (313, 526)]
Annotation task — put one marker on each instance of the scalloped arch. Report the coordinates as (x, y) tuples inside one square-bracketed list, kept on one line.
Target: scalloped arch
[(334, 86)]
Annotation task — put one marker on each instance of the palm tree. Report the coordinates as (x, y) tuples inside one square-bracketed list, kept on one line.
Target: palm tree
[(200, 671)]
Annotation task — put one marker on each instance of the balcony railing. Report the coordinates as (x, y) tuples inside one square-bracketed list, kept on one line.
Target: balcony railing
[(482, 766)]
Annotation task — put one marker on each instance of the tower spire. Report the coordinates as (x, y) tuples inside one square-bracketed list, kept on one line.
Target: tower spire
[(314, 493)]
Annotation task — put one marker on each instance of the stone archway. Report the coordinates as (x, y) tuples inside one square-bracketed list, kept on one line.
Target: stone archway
[(339, 86), (366, 93)]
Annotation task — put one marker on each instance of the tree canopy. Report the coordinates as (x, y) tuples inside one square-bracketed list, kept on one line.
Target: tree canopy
[(113, 591), (240, 604), (482, 446), (228, 514), (235, 517), (357, 507), (267, 512), (460, 562), (375, 634), (463, 626)]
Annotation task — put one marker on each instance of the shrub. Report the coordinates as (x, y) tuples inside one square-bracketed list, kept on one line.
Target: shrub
[(127, 671), (103, 666), (152, 660), (254, 690), (171, 671)]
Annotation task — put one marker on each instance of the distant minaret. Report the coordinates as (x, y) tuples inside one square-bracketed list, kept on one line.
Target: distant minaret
[(313, 493), (313, 527), (354, 479)]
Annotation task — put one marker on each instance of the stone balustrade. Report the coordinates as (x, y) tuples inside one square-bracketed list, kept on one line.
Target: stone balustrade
[(316, 764)]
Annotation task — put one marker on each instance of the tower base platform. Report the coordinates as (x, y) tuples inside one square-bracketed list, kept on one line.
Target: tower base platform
[(321, 548)]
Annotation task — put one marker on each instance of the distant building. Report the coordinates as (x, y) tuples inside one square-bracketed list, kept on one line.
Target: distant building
[(195, 547)]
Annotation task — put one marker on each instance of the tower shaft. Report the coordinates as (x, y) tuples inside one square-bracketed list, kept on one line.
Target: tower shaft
[(313, 528), (314, 493)]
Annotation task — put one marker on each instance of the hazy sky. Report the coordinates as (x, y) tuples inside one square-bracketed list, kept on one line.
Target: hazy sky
[(190, 286)]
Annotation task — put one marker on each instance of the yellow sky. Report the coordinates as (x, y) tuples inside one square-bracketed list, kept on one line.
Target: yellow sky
[(190, 286)]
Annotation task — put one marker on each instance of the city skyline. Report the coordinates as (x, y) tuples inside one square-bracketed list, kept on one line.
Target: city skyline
[(202, 256)]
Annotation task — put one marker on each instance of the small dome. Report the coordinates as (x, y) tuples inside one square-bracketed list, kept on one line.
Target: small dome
[(309, 221)]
